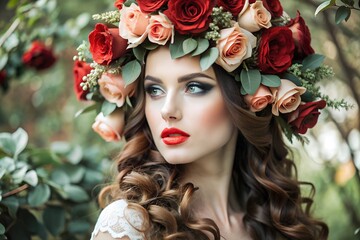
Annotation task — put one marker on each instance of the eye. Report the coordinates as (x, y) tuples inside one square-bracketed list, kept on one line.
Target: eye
[(198, 88), (154, 91)]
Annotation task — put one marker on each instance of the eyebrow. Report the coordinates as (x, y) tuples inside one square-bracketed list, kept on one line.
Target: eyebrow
[(184, 78)]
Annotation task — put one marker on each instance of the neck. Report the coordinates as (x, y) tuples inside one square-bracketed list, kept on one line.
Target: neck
[(215, 198)]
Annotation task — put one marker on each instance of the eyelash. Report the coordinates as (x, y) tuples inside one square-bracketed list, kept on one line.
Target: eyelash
[(204, 88)]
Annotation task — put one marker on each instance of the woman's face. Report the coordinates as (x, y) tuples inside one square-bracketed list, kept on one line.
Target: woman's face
[(185, 109)]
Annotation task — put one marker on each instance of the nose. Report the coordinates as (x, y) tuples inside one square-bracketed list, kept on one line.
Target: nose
[(171, 110)]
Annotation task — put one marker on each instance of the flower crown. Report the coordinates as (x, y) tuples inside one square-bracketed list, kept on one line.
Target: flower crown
[(266, 51)]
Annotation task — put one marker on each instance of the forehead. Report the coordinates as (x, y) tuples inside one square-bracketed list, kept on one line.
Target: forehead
[(159, 63)]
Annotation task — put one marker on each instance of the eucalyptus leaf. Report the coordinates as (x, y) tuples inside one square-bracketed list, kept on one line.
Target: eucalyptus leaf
[(176, 49), (149, 45), (292, 77), (75, 155), (325, 5), (139, 53), (12, 203), (270, 80), (19, 174), (250, 80), (2, 229), (7, 144), (78, 226), (107, 108), (85, 110), (8, 164), (60, 147), (21, 138), (76, 193), (60, 177), (75, 172), (131, 71), (202, 45), (342, 13), (83, 20), (208, 58), (313, 61), (39, 195), (31, 178), (189, 45), (4, 57), (54, 219)]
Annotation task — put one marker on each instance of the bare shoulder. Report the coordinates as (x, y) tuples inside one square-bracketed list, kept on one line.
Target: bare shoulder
[(119, 221)]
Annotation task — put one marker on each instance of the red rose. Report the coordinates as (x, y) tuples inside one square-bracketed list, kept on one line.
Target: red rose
[(80, 70), (118, 4), (106, 44), (190, 16), (302, 37), (273, 6), (2, 76), (306, 116), (39, 56), (149, 6), (233, 6), (276, 50)]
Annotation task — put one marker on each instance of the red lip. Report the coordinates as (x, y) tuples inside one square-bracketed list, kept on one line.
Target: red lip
[(173, 136)]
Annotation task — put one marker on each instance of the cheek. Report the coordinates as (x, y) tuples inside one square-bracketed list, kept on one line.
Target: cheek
[(214, 115)]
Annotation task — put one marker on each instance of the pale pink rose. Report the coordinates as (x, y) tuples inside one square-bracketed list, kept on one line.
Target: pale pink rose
[(235, 45), (287, 97), (261, 98), (254, 16), (133, 25), (110, 127), (160, 29), (113, 88)]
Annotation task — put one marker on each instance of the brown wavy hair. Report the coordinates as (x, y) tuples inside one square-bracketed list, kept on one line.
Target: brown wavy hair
[(265, 179)]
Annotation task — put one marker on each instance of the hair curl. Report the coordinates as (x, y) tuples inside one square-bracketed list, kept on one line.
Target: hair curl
[(265, 179)]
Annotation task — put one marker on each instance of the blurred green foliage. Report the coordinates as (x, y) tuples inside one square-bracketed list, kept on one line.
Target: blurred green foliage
[(68, 158)]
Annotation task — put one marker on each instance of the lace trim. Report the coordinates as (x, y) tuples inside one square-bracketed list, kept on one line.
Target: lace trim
[(112, 219)]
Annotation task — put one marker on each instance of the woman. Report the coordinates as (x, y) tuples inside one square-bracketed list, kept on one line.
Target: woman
[(204, 156)]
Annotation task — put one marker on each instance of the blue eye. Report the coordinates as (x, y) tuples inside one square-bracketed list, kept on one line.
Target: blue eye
[(198, 88), (154, 91)]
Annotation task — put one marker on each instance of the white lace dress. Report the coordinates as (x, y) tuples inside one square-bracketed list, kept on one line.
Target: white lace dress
[(119, 221)]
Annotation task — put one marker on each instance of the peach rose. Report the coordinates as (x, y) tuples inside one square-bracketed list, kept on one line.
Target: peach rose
[(235, 45), (110, 127), (133, 25), (261, 98), (160, 29), (254, 16), (113, 88), (287, 97)]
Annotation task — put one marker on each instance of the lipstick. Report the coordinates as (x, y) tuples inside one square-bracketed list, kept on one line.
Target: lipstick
[(173, 136)]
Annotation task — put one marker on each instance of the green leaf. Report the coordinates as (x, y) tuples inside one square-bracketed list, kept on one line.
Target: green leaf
[(76, 193), (39, 195), (107, 107), (54, 219), (176, 49), (270, 80), (43, 157), (19, 174), (21, 138), (250, 80), (189, 45), (202, 45), (12, 203), (78, 226), (83, 20), (8, 164), (31, 178), (342, 13), (60, 147), (323, 6), (7, 144), (85, 110), (292, 77), (139, 53), (131, 71), (75, 172), (75, 156), (208, 58), (3, 59), (149, 45), (312, 61), (60, 177), (2, 229)]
